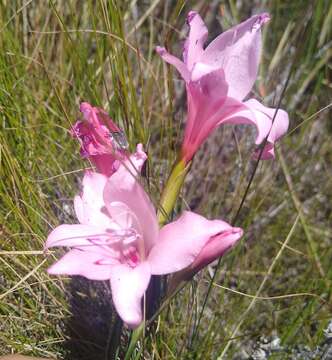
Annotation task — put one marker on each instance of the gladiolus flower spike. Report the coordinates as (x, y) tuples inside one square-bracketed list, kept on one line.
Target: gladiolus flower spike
[(218, 79)]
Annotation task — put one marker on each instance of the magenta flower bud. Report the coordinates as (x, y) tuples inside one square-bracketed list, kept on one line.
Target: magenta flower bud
[(102, 141)]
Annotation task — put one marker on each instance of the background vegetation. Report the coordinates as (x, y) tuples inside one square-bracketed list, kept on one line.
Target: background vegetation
[(276, 284)]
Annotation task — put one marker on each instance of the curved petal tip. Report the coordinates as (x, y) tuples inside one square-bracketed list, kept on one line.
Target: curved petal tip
[(261, 20), (161, 50), (85, 106), (191, 16)]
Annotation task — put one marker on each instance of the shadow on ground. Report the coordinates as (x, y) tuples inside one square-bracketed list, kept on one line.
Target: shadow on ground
[(94, 329)]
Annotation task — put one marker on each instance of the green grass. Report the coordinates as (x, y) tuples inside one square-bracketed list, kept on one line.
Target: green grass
[(54, 55)]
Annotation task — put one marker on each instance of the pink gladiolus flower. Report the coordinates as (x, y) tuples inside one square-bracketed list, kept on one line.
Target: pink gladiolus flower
[(118, 238), (218, 78), (102, 141)]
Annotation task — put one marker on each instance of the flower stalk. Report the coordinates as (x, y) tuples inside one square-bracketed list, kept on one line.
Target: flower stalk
[(172, 189)]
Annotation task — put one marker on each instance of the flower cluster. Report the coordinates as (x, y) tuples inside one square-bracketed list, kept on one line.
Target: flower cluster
[(118, 237)]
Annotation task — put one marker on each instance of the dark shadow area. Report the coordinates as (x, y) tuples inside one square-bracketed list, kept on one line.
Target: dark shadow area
[(154, 294), (94, 329)]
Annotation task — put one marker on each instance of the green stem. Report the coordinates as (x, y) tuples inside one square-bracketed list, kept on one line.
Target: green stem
[(171, 190), (135, 336)]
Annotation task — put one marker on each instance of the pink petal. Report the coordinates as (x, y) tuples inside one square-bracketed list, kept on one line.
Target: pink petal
[(128, 287), (88, 112), (254, 113), (206, 97), (196, 39), (136, 160), (97, 117), (123, 187), (216, 247), (236, 112), (177, 63), (78, 262), (121, 214), (212, 86), (181, 241), (265, 115), (89, 207), (205, 114), (105, 163), (79, 209), (201, 69), (75, 235), (237, 51)]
